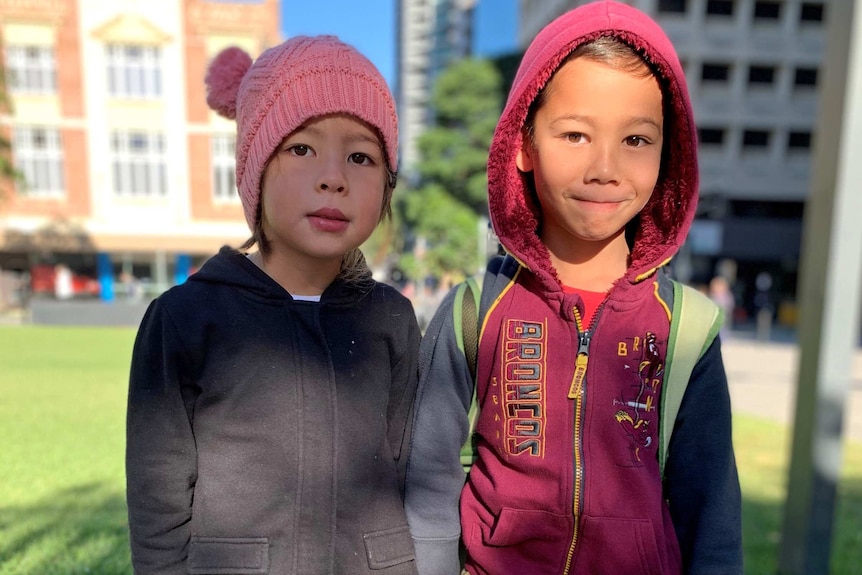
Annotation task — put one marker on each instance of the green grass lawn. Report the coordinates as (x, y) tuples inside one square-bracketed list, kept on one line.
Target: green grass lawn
[(62, 508), (62, 428)]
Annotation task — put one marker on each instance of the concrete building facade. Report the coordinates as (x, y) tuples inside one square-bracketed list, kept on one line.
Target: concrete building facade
[(126, 171), (430, 35)]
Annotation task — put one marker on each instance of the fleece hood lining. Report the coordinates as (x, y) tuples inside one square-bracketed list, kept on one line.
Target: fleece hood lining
[(666, 219)]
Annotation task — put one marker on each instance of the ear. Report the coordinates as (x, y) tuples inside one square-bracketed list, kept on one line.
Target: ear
[(524, 158)]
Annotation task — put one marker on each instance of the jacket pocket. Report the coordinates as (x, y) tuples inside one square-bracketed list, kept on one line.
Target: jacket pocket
[(228, 556), (515, 526), (617, 545), (522, 541), (389, 547)]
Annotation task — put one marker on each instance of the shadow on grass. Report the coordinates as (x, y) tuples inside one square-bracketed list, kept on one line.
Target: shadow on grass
[(83, 530), (80, 530), (762, 522)]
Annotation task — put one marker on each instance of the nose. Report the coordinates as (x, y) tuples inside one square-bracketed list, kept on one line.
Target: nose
[(603, 167), (332, 178)]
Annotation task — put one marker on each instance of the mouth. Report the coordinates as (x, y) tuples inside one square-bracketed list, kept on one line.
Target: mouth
[(329, 214), (328, 220)]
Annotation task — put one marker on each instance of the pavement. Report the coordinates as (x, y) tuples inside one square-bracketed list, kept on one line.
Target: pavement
[(762, 376)]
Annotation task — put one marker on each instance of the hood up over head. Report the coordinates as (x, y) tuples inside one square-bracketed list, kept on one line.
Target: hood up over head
[(666, 218)]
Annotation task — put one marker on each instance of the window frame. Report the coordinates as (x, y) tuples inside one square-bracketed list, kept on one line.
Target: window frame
[(712, 5), (711, 142), (139, 164), (134, 71), (223, 166), (751, 139), (727, 70), (42, 166), (28, 73)]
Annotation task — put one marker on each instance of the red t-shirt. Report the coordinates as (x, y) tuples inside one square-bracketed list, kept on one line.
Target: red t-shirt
[(592, 301)]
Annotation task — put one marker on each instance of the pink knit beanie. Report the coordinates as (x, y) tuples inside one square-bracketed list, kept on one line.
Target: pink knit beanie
[(289, 84)]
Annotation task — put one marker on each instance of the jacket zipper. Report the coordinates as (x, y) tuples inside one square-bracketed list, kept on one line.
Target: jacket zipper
[(577, 392)]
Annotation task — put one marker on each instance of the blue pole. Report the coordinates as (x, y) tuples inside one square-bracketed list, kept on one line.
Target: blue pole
[(106, 276), (183, 267)]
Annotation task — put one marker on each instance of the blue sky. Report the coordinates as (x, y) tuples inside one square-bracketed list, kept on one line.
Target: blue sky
[(370, 26)]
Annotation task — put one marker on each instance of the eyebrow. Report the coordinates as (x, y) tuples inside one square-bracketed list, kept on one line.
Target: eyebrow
[(633, 121), (352, 136)]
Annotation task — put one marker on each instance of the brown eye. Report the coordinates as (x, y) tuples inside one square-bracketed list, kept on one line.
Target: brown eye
[(298, 150), (361, 159), (636, 141)]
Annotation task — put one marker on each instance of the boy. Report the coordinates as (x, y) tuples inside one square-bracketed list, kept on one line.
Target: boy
[(592, 189)]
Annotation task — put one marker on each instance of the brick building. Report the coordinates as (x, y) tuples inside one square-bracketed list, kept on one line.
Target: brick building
[(126, 171)]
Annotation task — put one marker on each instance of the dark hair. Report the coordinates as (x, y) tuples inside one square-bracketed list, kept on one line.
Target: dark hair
[(604, 49)]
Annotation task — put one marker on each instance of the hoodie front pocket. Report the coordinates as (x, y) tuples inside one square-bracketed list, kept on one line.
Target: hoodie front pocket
[(616, 545), (515, 526), (524, 541), (228, 556)]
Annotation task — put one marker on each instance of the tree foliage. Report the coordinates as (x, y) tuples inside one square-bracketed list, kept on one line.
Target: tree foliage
[(7, 170), (451, 195)]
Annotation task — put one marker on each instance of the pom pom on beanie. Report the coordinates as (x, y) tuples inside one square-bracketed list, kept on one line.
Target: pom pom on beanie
[(288, 85), (223, 79)]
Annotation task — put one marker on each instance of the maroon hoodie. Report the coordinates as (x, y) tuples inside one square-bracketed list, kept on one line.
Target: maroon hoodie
[(567, 478)]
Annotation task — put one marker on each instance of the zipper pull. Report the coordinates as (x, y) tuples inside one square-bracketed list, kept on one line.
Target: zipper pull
[(580, 365)]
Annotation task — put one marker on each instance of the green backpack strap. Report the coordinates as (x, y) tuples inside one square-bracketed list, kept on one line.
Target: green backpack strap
[(466, 323), (695, 322)]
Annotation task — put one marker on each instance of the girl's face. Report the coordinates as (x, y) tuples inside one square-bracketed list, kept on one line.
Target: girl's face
[(322, 192), (595, 152)]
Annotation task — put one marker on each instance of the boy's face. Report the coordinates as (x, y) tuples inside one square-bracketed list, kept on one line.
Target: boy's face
[(595, 152), (322, 191)]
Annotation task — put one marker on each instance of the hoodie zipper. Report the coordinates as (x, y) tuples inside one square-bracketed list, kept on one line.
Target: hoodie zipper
[(577, 392)]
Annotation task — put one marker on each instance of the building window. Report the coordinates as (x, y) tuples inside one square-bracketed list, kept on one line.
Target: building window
[(39, 157), (710, 136), (134, 71), (224, 168), (805, 77), (139, 164), (797, 141), (767, 10), (719, 7), (31, 69), (755, 139), (673, 6), (761, 75), (715, 72), (811, 12)]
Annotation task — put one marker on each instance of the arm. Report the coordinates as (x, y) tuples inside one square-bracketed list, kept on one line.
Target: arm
[(160, 450), (434, 473), (701, 482)]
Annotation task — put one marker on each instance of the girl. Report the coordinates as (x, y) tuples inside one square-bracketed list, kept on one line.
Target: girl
[(270, 395)]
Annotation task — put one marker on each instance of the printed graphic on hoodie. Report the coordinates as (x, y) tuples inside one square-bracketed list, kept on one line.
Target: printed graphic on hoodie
[(523, 377), (636, 409)]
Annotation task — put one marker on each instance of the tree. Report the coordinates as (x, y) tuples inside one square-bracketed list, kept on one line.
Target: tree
[(7, 170), (451, 195)]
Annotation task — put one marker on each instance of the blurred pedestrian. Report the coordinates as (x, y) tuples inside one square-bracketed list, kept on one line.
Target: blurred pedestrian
[(721, 294), (63, 284)]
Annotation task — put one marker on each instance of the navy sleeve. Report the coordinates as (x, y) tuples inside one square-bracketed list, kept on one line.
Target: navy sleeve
[(701, 481), (161, 467), (434, 473)]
